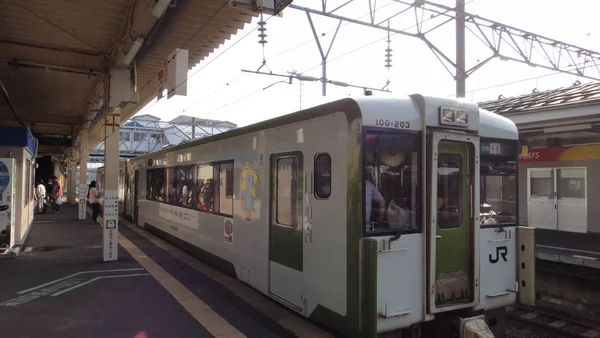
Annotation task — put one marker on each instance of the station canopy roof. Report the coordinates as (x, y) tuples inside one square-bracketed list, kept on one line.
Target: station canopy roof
[(556, 117), (54, 55)]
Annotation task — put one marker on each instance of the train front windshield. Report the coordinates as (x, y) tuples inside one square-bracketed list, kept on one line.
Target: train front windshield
[(392, 175), (498, 182)]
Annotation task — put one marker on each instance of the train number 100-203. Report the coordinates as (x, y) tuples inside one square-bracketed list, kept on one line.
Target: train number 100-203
[(392, 124)]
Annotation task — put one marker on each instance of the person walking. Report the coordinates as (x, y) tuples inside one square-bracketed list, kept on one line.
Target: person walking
[(94, 202)]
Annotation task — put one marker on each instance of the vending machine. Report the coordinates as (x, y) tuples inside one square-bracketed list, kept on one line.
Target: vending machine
[(8, 193)]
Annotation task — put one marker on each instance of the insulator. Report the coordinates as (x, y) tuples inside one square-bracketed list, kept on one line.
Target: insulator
[(262, 29)]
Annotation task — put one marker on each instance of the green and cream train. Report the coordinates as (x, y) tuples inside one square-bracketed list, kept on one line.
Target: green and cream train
[(369, 215)]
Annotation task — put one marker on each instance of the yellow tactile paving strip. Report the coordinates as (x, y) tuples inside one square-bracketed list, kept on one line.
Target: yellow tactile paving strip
[(214, 323), (283, 317), (204, 314)]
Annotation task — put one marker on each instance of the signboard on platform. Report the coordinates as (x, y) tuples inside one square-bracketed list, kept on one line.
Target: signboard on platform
[(54, 139), (82, 201), (110, 230)]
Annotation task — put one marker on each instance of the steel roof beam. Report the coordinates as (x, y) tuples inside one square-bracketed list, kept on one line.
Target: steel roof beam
[(503, 41), (53, 58)]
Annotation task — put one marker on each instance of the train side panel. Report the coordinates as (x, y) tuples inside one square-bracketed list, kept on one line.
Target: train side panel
[(246, 244), (322, 277)]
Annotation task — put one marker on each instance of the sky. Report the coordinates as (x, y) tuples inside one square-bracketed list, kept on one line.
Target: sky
[(219, 90)]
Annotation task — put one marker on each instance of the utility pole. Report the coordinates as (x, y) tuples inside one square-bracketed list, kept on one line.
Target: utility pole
[(461, 75)]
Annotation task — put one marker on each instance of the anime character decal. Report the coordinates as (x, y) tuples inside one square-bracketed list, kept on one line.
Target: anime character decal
[(249, 182)]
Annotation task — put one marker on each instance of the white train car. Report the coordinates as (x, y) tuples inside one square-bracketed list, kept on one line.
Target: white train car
[(361, 214)]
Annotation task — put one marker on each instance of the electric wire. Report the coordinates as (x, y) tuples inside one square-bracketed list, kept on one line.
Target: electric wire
[(381, 39), (523, 80), (207, 64), (297, 46), (270, 58)]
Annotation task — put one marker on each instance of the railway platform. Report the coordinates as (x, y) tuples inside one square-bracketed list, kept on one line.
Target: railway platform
[(568, 247), (58, 286)]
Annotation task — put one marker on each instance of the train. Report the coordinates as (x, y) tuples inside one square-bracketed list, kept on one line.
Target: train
[(369, 216)]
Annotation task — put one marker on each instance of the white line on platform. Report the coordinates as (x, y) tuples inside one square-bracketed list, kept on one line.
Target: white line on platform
[(567, 249), (77, 274), (95, 279), (585, 257)]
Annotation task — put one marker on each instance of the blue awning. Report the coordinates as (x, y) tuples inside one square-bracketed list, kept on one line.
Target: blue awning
[(13, 136)]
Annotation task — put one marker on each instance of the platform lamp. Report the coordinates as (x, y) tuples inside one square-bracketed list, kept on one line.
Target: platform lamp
[(160, 8)]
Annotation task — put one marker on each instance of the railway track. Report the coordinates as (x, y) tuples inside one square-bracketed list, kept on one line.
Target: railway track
[(558, 323)]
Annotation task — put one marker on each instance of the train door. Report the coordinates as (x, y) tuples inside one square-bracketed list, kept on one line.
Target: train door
[(285, 228), (136, 188), (453, 274)]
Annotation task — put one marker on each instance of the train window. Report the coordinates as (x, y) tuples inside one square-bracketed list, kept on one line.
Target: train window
[(498, 184), (450, 194), (225, 191), (286, 186), (156, 184), (392, 174), (323, 176), (149, 190), (185, 175), (205, 187), (173, 185)]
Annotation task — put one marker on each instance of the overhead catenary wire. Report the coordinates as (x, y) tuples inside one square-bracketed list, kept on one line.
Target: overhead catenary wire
[(207, 64), (524, 80), (228, 83), (290, 49)]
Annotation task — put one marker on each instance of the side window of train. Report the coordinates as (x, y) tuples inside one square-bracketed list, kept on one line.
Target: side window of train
[(186, 177), (156, 184), (149, 195), (286, 191), (214, 188), (450, 192), (205, 187), (224, 175), (323, 176), (172, 187)]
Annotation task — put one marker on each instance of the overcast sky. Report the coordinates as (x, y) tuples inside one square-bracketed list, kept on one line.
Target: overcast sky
[(221, 91)]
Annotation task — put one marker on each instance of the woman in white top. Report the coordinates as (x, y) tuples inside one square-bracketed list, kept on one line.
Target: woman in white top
[(94, 202), (41, 196)]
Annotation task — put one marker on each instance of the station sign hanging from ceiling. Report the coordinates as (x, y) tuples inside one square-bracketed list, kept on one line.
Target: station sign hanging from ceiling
[(54, 139)]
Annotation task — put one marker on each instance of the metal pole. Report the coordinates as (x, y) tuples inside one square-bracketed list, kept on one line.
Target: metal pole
[(461, 76), (324, 75), (323, 54), (193, 128)]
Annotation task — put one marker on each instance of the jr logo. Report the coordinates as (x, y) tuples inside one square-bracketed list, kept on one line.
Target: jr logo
[(501, 251)]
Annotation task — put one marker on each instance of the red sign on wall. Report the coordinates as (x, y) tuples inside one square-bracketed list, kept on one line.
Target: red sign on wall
[(591, 152)]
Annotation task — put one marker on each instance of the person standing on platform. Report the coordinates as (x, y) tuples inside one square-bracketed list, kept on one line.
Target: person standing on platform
[(56, 196), (41, 196), (94, 202)]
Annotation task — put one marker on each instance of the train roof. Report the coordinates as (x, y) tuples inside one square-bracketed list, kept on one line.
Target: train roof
[(487, 123)]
